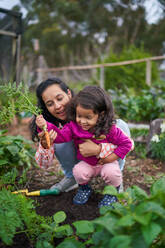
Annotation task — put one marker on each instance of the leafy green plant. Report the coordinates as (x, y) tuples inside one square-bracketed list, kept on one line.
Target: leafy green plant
[(17, 215), (16, 156), (158, 144), (54, 230), (148, 105), (137, 220)]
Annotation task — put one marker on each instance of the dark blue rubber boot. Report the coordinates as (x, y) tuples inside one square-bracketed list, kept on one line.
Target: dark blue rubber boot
[(82, 195), (108, 200)]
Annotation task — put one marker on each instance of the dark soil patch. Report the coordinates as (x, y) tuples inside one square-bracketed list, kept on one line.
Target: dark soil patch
[(140, 172)]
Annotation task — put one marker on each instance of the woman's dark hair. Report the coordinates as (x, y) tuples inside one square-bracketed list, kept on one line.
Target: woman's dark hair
[(95, 98), (40, 103)]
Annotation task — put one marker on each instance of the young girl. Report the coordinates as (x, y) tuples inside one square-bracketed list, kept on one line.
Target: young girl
[(91, 116)]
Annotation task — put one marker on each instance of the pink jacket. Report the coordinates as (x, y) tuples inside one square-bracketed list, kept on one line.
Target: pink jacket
[(73, 131)]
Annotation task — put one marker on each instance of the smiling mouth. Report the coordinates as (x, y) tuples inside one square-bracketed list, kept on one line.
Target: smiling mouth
[(61, 112), (84, 126)]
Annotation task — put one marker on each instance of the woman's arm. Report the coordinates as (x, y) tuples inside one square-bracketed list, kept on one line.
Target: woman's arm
[(89, 148), (44, 157)]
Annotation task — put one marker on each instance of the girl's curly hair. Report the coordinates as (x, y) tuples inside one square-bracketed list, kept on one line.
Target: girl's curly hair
[(95, 98)]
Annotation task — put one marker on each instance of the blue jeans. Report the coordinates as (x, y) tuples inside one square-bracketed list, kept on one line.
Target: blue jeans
[(66, 152), (124, 127), (67, 156)]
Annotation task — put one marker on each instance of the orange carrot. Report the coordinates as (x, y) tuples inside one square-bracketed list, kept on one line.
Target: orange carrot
[(47, 137)]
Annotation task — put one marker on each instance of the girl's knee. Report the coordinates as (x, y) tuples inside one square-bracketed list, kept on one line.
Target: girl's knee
[(82, 172), (112, 174)]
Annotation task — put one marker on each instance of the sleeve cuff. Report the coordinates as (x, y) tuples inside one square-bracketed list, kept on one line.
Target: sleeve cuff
[(106, 149)]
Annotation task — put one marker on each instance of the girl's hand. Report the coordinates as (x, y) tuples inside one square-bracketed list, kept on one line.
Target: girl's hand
[(89, 148), (40, 121), (109, 159), (52, 135)]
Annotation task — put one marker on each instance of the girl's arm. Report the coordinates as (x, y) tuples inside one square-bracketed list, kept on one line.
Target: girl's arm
[(63, 135), (121, 140)]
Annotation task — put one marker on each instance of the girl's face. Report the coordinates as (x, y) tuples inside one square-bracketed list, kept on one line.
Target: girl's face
[(55, 100), (86, 118)]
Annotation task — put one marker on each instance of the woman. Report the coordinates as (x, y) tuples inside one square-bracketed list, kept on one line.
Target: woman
[(53, 96)]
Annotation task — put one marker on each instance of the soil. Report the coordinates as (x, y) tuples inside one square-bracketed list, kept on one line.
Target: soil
[(140, 172)]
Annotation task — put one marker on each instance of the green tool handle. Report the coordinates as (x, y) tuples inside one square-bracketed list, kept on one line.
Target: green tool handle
[(44, 192)]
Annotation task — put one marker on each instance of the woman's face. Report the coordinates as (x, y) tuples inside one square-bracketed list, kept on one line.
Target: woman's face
[(55, 100)]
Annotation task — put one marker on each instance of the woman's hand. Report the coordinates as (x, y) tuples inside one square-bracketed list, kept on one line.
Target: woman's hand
[(40, 121), (52, 135), (89, 148)]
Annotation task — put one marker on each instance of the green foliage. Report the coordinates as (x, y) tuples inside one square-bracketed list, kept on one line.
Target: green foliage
[(140, 150), (139, 132), (16, 155), (128, 76), (19, 99), (17, 215), (148, 105), (55, 229), (158, 144), (137, 220), (68, 34)]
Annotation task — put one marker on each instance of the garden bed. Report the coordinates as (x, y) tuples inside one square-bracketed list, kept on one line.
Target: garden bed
[(140, 172)]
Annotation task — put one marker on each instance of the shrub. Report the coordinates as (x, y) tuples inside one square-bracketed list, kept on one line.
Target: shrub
[(147, 106), (128, 76)]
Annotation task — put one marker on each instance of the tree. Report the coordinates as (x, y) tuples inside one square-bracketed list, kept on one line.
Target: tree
[(78, 31)]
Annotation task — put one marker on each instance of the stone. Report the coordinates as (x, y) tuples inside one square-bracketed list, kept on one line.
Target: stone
[(154, 129)]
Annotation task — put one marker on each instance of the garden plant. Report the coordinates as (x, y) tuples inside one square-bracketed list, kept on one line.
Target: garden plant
[(137, 219)]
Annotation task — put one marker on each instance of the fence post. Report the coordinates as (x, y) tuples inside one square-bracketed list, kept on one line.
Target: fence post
[(102, 77), (148, 72), (65, 74), (18, 64)]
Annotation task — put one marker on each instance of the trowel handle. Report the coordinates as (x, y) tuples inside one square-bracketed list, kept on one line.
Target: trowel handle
[(44, 192)]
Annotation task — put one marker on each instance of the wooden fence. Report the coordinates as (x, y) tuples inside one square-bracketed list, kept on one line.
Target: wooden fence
[(40, 71)]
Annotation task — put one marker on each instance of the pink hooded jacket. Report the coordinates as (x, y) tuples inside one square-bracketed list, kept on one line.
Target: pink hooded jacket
[(72, 131)]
